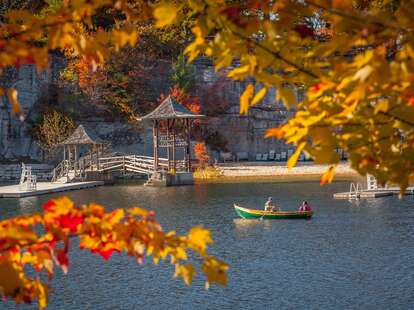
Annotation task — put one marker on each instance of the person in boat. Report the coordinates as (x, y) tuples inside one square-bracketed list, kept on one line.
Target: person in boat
[(269, 206), (305, 207)]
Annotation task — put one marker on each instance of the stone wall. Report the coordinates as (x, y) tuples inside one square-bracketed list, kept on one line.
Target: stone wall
[(11, 173)]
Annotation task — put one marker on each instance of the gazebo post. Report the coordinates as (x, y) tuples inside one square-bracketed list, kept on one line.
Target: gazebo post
[(76, 157), (155, 130), (188, 145), (168, 145), (173, 143)]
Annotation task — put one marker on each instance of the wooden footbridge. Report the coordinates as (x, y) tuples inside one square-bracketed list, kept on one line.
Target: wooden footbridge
[(87, 167)]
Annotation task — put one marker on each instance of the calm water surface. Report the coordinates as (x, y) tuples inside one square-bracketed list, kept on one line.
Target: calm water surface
[(349, 256)]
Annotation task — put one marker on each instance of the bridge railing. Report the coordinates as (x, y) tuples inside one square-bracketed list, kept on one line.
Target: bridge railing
[(133, 163)]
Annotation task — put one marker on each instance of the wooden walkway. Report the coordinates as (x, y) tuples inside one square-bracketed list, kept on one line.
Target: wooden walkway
[(373, 193), (15, 191), (77, 170)]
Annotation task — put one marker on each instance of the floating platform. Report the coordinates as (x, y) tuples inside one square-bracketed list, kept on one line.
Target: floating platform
[(14, 191), (381, 192)]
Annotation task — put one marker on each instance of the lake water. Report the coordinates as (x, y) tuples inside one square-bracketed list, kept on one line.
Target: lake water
[(349, 256)]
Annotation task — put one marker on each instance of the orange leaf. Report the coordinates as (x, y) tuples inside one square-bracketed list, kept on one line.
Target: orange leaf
[(246, 98), (328, 175), (12, 95), (274, 132)]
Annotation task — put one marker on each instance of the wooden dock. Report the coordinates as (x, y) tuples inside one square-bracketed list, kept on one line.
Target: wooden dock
[(14, 191), (377, 193)]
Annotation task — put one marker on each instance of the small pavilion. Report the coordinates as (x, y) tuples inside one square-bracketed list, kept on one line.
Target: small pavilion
[(78, 140), (171, 131)]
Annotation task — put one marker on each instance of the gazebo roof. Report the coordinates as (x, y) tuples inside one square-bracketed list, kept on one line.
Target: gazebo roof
[(82, 136), (170, 109)]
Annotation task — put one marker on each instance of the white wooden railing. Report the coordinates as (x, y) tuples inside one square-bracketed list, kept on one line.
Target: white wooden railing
[(130, 163)]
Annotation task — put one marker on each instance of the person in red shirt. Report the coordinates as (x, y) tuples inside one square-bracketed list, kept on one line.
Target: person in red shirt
[(305, 207)]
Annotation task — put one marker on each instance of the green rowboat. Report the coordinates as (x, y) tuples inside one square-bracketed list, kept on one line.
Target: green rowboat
[(271, 215)]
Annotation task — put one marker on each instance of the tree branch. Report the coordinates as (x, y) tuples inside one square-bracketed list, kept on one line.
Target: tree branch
[(276, 54)]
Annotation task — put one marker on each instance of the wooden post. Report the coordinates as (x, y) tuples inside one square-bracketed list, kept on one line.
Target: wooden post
[(173, 144), (76, 157), (155, 131), (64, 152), (188, 146), (168, 145)]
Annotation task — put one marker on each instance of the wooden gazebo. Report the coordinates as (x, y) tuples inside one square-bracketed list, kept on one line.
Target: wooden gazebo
[(171, 131), (81, 137)]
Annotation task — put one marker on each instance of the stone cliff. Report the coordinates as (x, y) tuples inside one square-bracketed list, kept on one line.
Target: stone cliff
[(243, 133)]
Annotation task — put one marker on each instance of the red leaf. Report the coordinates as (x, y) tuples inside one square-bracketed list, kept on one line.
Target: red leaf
[(49, 206), (63, 260), (106, 254), (411, 101), (317, 87), (70, 222)]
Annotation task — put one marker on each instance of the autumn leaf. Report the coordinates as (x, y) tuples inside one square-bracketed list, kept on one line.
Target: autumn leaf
[(12, 95), (287, 96), (200, 238), (295, 156), (246, 98), (186, 271), (328, 175), (274, 132), (259, 96), (165, 14)]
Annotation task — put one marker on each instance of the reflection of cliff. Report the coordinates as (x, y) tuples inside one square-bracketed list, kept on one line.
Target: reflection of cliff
[(243, 133)]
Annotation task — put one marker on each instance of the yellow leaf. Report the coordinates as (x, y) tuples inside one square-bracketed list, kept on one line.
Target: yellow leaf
[(328, 175), (287, 96), (10, 278), (215, 271), (200, 238), (381, 106), (239, 72), (165, 14), (259, 95), (246, 98), (363, 58), (12, 95), (187, 272), (363, 73), (294, 158), (116, 216)]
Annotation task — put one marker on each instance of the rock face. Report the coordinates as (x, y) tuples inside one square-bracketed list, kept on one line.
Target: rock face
[(243, 133), (15, 143)]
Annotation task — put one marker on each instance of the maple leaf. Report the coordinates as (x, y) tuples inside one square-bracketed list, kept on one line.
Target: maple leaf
[(70, 221), (63, 260), (106, 254), (49, 206)]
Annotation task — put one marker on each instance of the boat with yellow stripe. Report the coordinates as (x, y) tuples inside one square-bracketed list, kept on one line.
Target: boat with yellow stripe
[(271, 215)]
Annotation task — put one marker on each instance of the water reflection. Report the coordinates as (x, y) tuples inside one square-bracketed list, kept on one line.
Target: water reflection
[(350, 255), (28, 205)]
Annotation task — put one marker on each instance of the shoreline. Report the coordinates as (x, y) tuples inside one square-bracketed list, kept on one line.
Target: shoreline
[(257, 172)]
